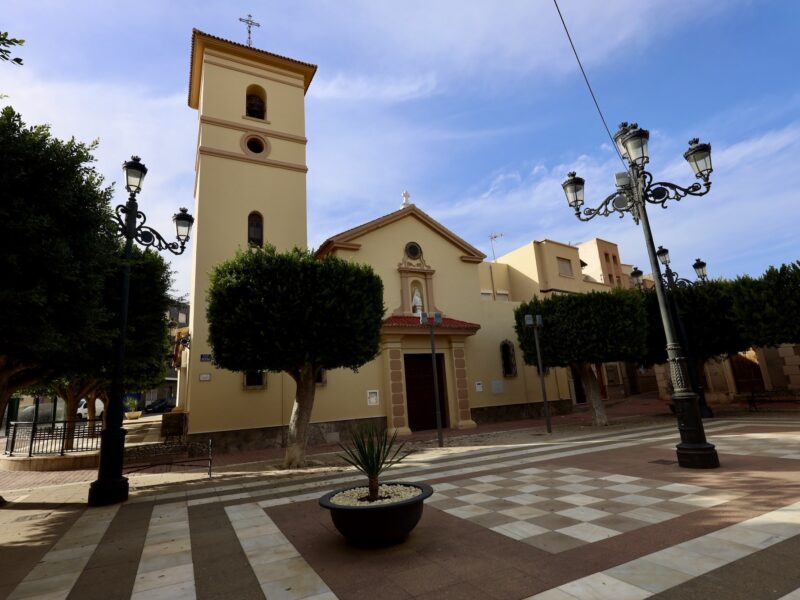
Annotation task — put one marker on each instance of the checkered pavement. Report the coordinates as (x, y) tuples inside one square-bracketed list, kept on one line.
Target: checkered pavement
[(772, 445), (559, 509)]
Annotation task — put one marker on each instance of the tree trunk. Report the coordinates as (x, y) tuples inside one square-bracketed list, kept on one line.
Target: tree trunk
[(374, 487), (13, 379), (72, 394), (92, 412), (598, 368), (592, 391), (301, 415)]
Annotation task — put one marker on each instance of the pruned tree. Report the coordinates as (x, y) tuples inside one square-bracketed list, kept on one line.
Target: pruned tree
[(706, 317), (295, 313), (584, 329), (56, 235), (767, 308), (88, 375)]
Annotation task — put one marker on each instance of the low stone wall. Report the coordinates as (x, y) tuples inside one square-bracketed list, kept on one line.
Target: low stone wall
[(513, 412), (68, 462), (275, 437)]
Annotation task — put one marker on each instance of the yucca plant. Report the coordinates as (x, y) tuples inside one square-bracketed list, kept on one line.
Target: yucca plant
[(371, 452)]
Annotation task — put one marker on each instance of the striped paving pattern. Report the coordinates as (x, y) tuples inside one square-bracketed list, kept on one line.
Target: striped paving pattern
[(219, 541)]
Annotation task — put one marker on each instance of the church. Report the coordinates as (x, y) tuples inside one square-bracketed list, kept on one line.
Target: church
[(250, 188)]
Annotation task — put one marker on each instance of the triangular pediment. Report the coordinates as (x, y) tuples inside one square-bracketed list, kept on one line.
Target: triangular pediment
[(348, 240)]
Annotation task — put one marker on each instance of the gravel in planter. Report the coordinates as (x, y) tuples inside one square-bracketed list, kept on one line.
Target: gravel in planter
[(389, 494)]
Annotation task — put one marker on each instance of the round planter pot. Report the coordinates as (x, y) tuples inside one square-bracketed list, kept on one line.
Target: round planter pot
[(377, 524)]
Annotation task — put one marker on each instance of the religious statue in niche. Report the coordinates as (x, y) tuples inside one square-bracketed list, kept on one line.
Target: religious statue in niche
[(416, 301)]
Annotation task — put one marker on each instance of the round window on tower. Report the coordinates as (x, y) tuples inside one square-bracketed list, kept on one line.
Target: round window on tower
[(255, 145), (413, 251)]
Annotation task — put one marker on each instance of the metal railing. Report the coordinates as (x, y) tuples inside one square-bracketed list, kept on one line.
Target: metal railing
[(53, 437)]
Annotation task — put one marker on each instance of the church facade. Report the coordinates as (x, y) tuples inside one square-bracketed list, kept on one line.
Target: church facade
[(250, 188)]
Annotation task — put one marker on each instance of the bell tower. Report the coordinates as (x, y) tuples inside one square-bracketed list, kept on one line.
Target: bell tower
[(250, 188)]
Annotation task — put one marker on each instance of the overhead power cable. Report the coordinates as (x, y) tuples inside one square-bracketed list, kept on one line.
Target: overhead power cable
[(589, 85)]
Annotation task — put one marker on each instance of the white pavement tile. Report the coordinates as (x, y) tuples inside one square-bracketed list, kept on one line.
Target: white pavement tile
[(638, 500), (683, 488), (749, 537), (579, 499), (600, 586), (648, 515), (554, 594), (648, 575), (685, 561), (588, 532), (519, 530), (584, 513), (620, 478)]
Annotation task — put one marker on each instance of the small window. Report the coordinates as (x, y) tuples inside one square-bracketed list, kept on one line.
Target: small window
[(619, 282), (502, 296), (486, 295), (508, 359), (255, 380), (564, 267), (255, 229), (607, 258), (256, 102), (614, 259), (610, 279), (255, 145)]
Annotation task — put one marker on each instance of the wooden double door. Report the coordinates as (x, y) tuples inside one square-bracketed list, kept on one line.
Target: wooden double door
[(420, 399)]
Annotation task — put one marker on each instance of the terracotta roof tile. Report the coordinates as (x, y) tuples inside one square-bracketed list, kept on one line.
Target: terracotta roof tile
[(413, 322)]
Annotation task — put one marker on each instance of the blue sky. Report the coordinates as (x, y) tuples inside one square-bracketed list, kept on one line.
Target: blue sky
[(477, 108)]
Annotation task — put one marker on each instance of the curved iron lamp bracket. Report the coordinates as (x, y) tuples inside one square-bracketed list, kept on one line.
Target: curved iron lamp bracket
[(660, 192), (680, 282), (619, 202), (144, 235)]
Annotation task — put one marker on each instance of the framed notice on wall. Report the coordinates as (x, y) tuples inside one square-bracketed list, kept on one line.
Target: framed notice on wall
[(372, 398)]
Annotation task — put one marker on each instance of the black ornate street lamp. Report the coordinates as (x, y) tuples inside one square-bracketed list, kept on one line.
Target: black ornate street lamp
[(111, 486), (432, 320), (635, 189), (671, 280)]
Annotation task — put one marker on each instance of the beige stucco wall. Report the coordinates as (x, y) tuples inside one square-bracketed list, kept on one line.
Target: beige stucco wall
[(594, 253), (230, 184), (457, 287)]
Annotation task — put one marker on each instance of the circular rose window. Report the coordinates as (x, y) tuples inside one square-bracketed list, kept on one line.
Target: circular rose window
[(413, 250)]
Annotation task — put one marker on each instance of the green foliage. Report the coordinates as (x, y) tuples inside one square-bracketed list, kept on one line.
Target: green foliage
[(61, 262), (768, 309), (6, 43), (56, 235), (709, 323), (372, 451), (584, 328), (276, 311), (147, 349)]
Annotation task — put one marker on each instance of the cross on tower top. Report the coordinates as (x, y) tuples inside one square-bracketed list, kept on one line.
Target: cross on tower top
[(250, 24)]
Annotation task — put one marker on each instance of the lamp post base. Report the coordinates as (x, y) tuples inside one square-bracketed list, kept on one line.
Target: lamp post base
[(694, 451), (697, 456), (103, 492)]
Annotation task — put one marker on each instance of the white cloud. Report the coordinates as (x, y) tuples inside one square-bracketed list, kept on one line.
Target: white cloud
[(365, 89), (127, 120)]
